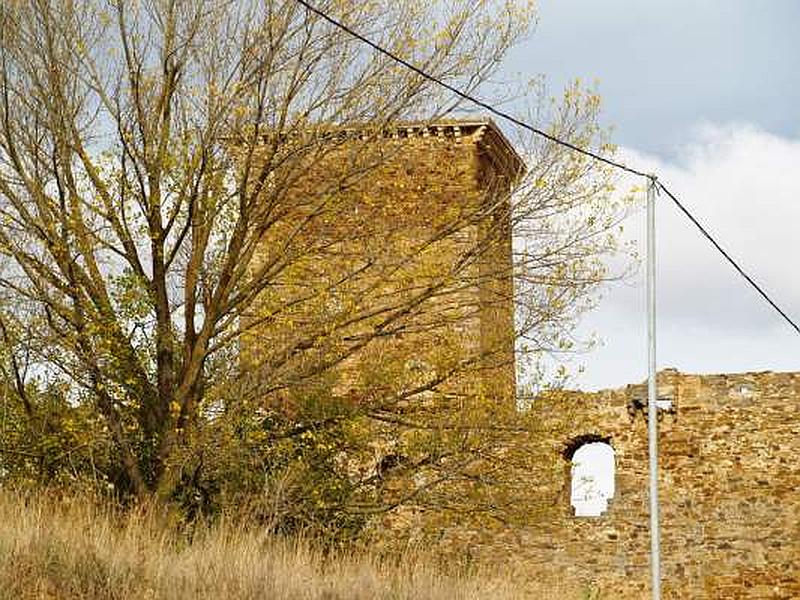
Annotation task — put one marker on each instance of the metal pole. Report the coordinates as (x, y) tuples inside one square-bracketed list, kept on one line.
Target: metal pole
[(652, 407)]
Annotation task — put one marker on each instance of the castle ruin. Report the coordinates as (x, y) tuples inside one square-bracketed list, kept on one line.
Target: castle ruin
[(729, 444)]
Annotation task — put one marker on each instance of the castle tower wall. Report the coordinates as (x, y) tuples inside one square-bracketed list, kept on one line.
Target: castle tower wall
[(407, 232)]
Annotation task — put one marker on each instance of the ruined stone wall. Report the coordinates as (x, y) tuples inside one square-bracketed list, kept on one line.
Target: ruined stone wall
[(729, 490)]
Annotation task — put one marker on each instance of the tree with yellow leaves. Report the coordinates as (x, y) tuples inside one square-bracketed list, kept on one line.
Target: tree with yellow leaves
[(152, 228)]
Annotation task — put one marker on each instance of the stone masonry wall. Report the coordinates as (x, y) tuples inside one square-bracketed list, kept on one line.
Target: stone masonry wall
[(729, 491), (384, 216)]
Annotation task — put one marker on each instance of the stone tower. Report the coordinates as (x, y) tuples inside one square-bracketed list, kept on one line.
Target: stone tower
[(409, 224)]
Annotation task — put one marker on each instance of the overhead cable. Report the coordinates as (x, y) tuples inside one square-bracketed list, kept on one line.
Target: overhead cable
[(461, 94), (728, 257), (541, 133)]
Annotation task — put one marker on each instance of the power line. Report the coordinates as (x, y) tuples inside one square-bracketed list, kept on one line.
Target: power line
[(535, 130), (502, 114), (727, 256)]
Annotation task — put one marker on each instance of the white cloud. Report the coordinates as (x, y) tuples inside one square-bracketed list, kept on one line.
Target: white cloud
[(744, 185)]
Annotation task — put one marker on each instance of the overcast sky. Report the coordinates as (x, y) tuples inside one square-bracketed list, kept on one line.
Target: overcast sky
[(706, 93)]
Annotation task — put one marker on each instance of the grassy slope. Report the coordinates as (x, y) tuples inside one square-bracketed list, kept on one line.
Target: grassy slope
[(69, 549)]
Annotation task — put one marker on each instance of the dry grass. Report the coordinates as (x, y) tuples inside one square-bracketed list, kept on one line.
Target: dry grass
[(71, 548)]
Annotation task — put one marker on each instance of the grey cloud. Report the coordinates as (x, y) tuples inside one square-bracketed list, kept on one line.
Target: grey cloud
[(663, 67), (739, 181), (664, 64)]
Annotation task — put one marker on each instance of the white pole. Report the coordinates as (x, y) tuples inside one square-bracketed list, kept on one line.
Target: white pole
[(652, 407)]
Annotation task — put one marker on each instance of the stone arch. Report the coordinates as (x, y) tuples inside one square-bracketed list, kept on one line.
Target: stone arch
[(592, 472), (588, 438)]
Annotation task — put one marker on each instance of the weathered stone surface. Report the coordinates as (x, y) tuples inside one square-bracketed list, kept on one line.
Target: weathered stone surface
[(729, 490)]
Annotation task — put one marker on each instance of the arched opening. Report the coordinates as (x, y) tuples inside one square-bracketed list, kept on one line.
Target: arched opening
[(592, 478)]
